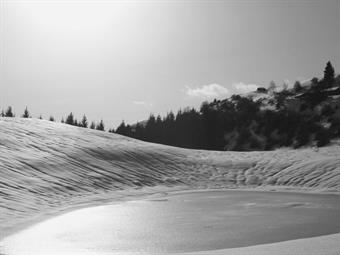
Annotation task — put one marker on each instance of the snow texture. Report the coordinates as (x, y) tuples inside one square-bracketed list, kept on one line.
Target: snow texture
[(326, 245), (48, 168)]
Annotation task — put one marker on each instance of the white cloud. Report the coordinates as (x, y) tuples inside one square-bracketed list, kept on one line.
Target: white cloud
[(142, 103), (241, 87), (207, 91)]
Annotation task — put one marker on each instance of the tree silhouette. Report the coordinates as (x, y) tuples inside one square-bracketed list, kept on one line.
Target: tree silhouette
[(139, 131), (100, 126), (297, 87), (9, 112), (83, 122), (40, 117), (241, 123), (26, 113), (70, 119), (150, 128), (121, 129), (303, 115), (315, 83), (322, 137), (328, 78)]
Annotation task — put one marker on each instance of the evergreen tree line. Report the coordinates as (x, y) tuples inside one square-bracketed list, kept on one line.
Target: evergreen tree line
[(241, 123), (70, 119)]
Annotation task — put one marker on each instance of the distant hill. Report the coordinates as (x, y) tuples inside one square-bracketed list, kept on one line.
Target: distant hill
[(266, 119)]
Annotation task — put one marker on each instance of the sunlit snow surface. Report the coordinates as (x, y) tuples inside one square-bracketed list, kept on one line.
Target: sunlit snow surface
[(47, 168), (182, 222)]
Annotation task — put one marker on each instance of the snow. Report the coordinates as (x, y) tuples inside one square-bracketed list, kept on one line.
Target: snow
[(178, 222), (326, 245), (47, 168)]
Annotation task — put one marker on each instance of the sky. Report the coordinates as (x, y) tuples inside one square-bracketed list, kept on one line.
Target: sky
[(122, 60)]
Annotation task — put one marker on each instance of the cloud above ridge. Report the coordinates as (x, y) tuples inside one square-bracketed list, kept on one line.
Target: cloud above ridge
[(241, 88), (142, 103), (207, 91)]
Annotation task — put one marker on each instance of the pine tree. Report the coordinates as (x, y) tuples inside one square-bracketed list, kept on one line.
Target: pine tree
[(62, 120), (40, 117), (328, 75), (297, 87), (121, 129), (70, 119), (139, 131), (150, 128), (26, 113), (51, 118), (100, 126), (83, 122), (93, 125), (2, 114), (315, 83), (9, 112)]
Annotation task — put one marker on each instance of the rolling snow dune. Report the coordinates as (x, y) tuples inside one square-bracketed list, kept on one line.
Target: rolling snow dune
[(52, 167)]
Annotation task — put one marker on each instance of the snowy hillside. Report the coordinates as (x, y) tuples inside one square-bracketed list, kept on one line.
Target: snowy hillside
[(51, 167)]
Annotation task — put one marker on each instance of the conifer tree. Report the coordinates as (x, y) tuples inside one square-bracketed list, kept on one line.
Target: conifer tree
[(100, 126), (51, 118), (70, 119), (93, 125), (121, 129), (9, 112), (83, 122), (26, 113), (139, 131), (328, 74), (297, 87)]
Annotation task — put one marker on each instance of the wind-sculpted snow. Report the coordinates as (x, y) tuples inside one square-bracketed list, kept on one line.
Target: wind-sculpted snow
[(46, 167)]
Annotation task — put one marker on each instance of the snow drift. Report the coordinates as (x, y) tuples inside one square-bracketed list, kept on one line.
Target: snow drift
[(49, 167)]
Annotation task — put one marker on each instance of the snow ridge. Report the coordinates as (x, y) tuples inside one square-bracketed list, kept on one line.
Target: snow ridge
[(49, 167)]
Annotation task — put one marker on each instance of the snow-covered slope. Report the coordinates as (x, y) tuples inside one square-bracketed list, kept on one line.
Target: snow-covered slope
[(50, 167)]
